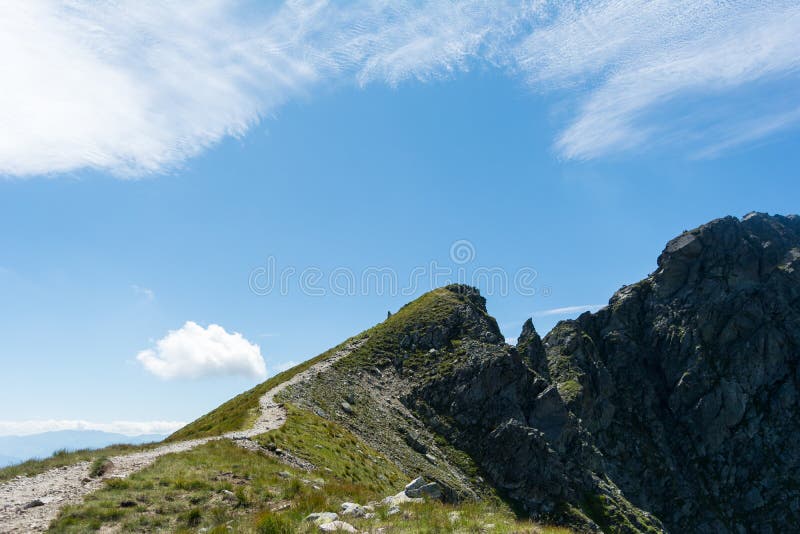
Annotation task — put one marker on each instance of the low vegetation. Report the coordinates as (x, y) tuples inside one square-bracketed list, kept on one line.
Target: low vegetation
[(222, 487), (99, 467), (63, 458), (432, 308), (241, 412)]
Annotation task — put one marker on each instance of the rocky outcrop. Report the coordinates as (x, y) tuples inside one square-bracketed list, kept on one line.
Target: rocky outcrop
[(688, 380), (675, 408), (436, 380)]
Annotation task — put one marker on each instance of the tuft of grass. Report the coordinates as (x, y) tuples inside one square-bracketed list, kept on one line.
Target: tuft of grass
[(617, 515), (100, 466), (63, 458), (569, 389), (192, 518), (268, 522)]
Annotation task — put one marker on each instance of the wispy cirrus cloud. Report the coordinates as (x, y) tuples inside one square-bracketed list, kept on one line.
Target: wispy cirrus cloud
[(137, 87), (568, 310)]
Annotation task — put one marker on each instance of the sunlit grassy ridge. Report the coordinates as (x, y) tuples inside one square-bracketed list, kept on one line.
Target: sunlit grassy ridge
[(432, 310), (222, 487), (241, 412)]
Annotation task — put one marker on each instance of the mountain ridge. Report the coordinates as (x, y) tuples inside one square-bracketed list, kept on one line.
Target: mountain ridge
[(598, 380), (672, 409)]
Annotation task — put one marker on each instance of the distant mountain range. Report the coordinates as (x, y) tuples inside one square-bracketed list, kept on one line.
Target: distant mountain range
[(15, 449)]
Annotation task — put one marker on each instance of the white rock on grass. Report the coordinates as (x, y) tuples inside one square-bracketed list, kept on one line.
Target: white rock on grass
[(419, 487), (354, 509), (322, 517), (400, 498), (337, 526), (414, 485)]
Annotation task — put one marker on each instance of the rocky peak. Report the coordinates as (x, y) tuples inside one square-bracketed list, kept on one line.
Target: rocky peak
[(441, 316), (686, 377), (675, 408), (529, 345), (728, 253)]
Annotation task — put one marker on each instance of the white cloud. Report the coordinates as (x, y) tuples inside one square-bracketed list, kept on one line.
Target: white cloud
[(146, 293), (129, 428), (665, 51), (137, 87), (568, 310), (194, 352)]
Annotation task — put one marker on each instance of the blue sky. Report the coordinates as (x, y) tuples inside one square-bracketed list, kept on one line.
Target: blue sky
[(352, 137)]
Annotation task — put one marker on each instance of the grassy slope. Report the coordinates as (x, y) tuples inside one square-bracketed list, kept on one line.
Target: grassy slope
[(189, 490), (62, 458), (432, 308), (240, 412)]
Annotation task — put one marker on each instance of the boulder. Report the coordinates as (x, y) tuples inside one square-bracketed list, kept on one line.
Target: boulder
[(321, 517), (414, 485), (400, 498), (33, 504), (337, 526), (353, 509)]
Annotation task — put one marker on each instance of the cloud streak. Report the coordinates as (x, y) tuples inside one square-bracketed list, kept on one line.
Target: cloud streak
[(128, 428), (568, 310), (136, 87)]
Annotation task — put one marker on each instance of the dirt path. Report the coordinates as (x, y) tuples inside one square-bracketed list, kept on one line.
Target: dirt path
[(61, 486)]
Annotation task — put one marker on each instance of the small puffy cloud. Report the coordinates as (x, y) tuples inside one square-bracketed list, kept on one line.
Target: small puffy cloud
[(194, 352), (128, 428)]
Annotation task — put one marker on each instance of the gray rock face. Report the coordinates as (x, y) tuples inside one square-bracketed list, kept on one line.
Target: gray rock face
[(419, 488), (688, 380), (675, 408)]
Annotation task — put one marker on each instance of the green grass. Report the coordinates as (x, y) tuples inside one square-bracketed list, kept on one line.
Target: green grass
[(616, 516), (430, 311), (342, 454), (63, 458), (569, 389), (219, 485), (241, 412), (99, 467)]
